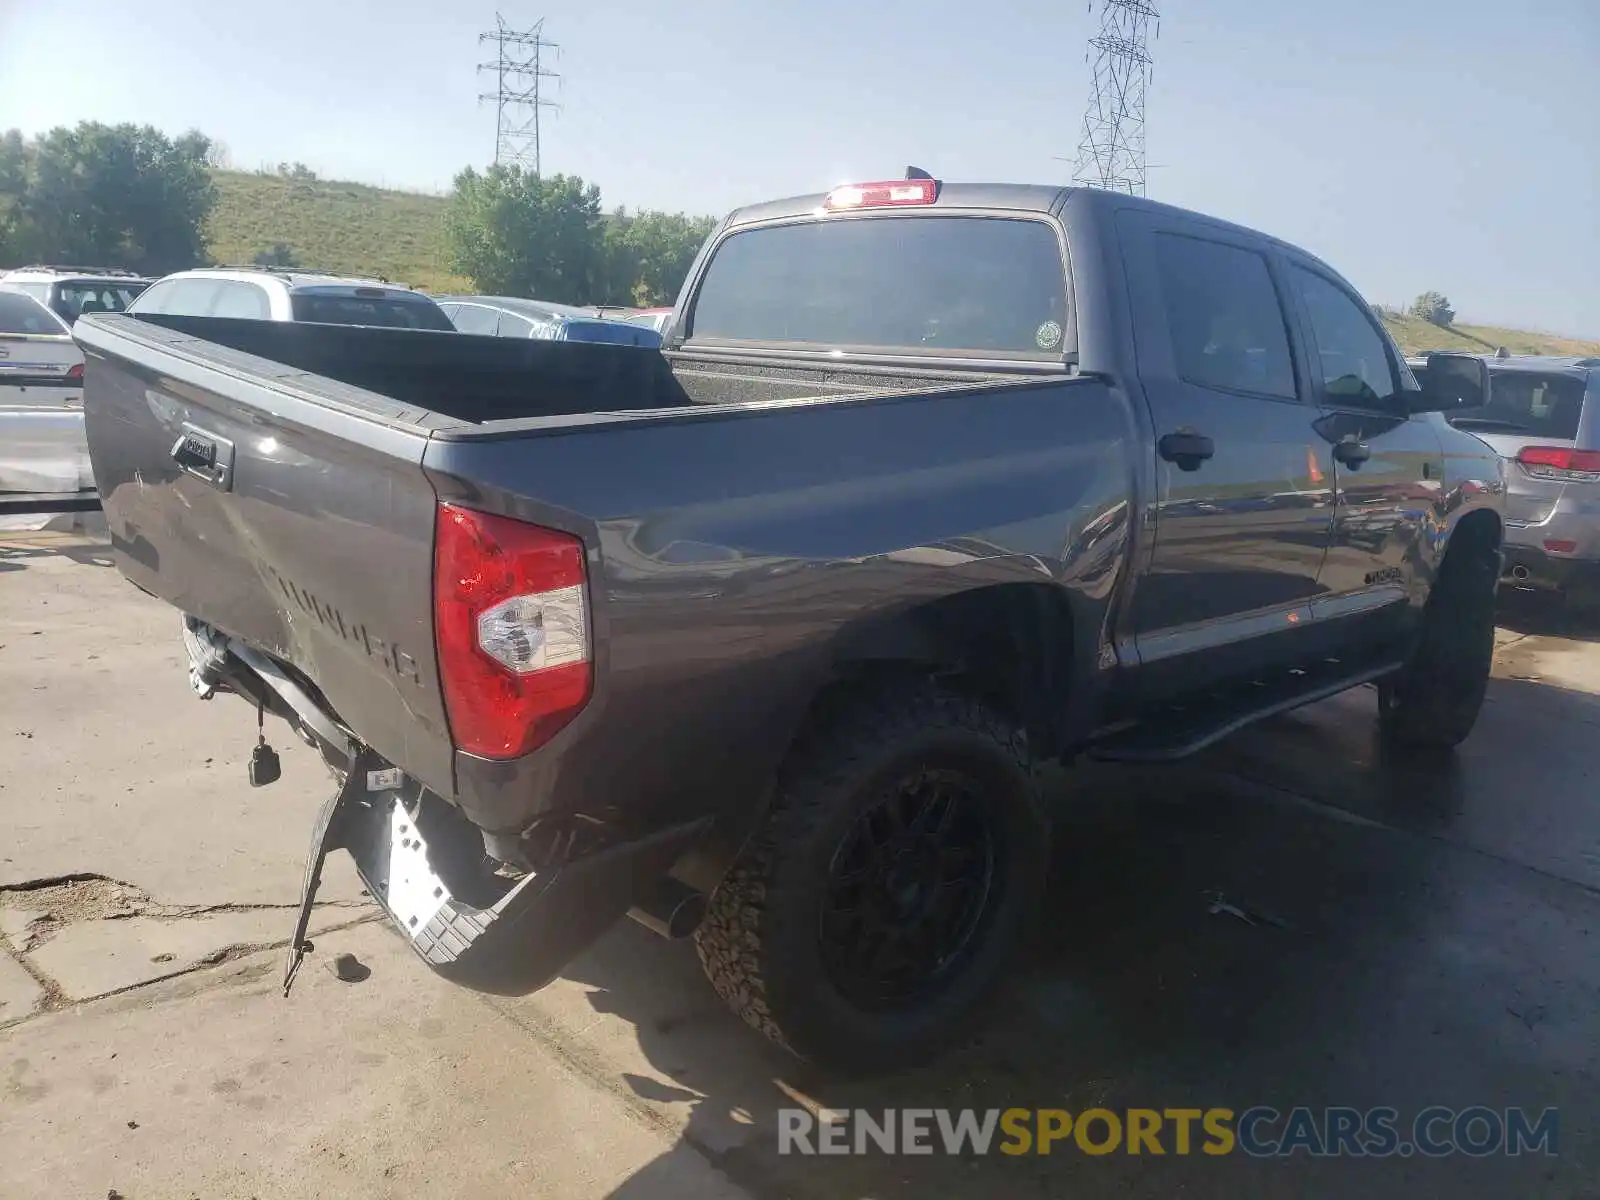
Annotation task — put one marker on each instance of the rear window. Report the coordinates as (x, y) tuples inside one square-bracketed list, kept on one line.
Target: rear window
[(990, 286), (111, 297), (24, 314), (615, 332), (1527, 402), (363, 310)]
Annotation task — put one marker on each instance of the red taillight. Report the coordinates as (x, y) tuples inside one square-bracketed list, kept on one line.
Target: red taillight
[(891, 194), (1561, 462), (75, 371), (1560, 545), (510, 611)]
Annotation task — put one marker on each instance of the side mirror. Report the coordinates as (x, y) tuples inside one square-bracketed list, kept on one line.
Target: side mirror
[(1452, 381)]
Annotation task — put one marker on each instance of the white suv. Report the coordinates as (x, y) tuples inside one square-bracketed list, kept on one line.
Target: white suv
[(289, 294), (70, 291)]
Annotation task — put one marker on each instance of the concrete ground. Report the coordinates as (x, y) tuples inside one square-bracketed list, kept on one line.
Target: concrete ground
[(1289, 921)]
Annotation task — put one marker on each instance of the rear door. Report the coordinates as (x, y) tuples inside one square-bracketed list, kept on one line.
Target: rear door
[(1244, 505), (1388, 464)]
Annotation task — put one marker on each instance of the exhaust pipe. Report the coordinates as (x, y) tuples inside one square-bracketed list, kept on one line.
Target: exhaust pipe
[(1519, 573), (671, 910)]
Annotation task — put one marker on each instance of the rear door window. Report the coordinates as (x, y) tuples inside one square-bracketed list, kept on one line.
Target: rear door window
[(106, 297), (191, 297), (514, 326), (1223, 315), (980, 286), (477, 319), (242, 301)]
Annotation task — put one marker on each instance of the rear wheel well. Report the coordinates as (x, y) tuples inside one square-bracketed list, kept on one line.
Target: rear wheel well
[(1477, 534), (1010, 645)]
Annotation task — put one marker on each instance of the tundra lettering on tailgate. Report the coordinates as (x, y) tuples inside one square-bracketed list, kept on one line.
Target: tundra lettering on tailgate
[(387, 652)]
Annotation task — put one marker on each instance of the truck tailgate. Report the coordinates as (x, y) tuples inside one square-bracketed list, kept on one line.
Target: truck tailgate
[(270, 503)]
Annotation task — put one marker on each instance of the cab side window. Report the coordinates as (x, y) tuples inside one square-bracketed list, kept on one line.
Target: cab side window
[(178, 297), (1349, 356), (1227, 326), (475, 318)]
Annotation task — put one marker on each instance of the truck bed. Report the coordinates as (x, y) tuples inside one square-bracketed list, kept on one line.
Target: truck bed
[(696, 484), (444, 381)]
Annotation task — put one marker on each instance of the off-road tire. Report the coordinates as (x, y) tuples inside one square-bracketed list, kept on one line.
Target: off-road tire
[(759, 942), (1434, 703)]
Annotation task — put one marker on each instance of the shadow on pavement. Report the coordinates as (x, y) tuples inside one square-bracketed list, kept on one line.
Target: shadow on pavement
[(1294, 919), (1545, 616), (16, 555)]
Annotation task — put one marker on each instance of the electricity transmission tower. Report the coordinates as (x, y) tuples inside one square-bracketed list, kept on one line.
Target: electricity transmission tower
[(1111, 151), (519, 71)]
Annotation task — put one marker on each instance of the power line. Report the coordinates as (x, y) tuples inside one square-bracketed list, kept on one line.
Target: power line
[(519, 72), (1111, 150)]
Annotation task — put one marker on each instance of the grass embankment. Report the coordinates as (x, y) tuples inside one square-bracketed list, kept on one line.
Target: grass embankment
[(362, 230), (349, 228)]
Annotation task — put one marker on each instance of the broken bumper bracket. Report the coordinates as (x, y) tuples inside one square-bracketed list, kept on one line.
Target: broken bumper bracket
[(511, 947)]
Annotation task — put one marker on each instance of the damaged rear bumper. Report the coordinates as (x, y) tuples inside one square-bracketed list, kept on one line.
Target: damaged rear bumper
[(491, 933), (521, 941)]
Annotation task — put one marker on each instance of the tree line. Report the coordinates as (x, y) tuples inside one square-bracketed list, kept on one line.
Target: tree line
[(131, 197)]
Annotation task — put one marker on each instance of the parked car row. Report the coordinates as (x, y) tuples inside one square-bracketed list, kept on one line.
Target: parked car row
[(505, 316), (44, 460)]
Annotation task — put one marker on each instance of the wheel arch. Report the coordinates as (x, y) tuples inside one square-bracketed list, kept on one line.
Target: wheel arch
[(1478, 530), (1024, 648)]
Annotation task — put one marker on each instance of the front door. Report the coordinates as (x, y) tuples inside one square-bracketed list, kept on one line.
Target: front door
[(1244, 484), (1387, 463)]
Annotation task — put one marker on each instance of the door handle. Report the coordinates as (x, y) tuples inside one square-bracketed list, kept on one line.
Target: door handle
[(1186, 448), (204, 455), (1352, 453)]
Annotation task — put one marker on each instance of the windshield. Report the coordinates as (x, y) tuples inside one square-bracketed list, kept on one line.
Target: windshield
[(363, 310), (923, 285), (1541, 405), (111, 297), (24, 314)]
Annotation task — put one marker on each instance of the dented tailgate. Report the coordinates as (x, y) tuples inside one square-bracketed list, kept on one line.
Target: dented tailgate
[(286, 510)]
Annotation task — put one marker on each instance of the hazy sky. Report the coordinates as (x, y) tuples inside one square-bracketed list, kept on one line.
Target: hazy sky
[(1416, 144)]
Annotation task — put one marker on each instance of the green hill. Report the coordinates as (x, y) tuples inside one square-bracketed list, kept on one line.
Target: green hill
[(1417, 336), (400, 236), (344, 227)]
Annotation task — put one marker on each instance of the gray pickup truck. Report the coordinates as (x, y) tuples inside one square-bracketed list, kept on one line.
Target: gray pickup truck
[(761, 637)]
